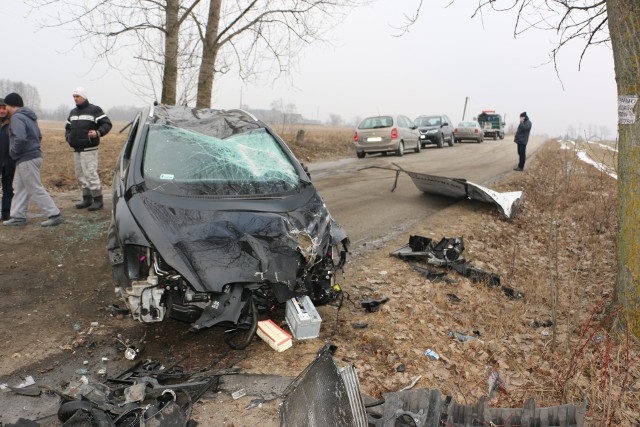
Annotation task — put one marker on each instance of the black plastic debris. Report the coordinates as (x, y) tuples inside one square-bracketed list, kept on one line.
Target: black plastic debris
[(454, 298), (359, 325), (429, 408), (537, 324), (373, 305), (512, 293), (326, 395), (147, 394), (447, 250), (477, 275), (433, 276)]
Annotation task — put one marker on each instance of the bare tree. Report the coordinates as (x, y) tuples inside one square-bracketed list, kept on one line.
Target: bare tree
[(615, 23), (260, 37), (335, 119), (147, 29), (190, 42), (29, 93)]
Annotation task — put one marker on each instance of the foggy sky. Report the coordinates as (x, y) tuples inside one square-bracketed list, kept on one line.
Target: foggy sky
[(366, 70)]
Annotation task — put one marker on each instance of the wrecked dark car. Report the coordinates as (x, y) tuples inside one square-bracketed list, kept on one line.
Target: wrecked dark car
[(215, 220)]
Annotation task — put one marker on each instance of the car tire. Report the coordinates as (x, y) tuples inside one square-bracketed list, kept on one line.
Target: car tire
[(361, 154), (451, 141), (479, 140), (440, 141), (495, 136), (400, 150), (418, 147)]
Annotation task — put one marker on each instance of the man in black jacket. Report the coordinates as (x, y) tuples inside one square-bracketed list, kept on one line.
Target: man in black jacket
[(7, 164), (521, 138), (86, 124)]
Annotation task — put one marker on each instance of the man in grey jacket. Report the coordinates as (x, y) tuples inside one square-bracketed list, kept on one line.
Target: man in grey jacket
[(521, 138), (25, 137)]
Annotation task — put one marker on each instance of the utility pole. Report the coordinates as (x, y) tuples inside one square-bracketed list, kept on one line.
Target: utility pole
[(465, 107)]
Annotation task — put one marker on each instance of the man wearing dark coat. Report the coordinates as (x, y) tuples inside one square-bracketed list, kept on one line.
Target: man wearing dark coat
[(521, 138), (7, 164), (86, 124)]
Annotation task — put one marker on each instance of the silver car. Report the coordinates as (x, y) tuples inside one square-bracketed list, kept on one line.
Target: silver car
[(384, 134), (468, 131)]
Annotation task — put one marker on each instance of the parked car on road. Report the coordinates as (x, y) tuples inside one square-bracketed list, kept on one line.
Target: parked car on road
[(386, 134), (214, 221), (468, 131), (435, 130)]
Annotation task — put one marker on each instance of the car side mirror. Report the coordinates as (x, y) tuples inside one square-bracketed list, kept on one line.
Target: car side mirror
[(445, 124), (414, 127)]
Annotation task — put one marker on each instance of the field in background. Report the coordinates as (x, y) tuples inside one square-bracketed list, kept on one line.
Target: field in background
[(309, 143)]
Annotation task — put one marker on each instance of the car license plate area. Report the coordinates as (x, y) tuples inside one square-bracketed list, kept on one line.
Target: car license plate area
[(374, 139)]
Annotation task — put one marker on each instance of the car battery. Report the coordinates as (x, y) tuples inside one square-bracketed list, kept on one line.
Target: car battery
[(302, 318)]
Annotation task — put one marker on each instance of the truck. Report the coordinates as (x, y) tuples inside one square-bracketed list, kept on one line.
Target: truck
[(492, 124)]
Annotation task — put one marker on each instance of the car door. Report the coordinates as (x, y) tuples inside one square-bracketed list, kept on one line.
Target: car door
[(405, 127), (448, 129)]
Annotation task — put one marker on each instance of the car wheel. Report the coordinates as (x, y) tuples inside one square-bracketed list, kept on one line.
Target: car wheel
[(479, 140), (440, 141), (451, 141), (400, 150), (418, 147), (495, 136), (361, 154)]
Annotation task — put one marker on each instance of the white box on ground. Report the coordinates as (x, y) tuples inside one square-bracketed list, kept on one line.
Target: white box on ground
[(273, 335), (302, 318)]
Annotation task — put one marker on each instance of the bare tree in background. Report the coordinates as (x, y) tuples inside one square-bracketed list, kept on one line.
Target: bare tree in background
[(29, 94), (147, 30), (189, 42), (615, 23)]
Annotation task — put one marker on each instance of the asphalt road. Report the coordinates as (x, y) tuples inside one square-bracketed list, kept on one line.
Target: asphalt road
[(362, 201)]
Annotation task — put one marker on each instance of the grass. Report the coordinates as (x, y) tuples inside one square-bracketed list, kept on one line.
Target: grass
[(560, 251)]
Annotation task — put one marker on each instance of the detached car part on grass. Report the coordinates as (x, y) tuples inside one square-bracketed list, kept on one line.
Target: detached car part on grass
[(214, 219), (459, 188), (326, 395)]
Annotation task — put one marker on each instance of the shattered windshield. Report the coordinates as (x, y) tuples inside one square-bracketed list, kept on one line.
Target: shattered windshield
[(183, 162)]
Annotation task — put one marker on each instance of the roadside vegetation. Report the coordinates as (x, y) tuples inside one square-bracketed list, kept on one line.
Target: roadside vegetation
[(559, 251)]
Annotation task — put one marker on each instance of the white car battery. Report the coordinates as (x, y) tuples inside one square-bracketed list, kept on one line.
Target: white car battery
[(302, 318)]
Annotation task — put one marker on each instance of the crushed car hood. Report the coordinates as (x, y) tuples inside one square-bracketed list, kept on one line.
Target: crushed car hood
[(238, 241)]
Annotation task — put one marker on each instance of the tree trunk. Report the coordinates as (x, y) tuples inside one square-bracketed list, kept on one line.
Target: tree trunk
[(624, 28), (170, 72), (209, 54)]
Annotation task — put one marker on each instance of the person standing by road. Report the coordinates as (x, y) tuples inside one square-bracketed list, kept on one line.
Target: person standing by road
[(521, 138), (86, 124), (7, 164), (25, 138)]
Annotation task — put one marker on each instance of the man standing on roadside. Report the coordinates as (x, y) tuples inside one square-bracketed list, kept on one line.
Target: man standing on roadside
[(85, 125), (521, 138), (7, 165), (25, 138)]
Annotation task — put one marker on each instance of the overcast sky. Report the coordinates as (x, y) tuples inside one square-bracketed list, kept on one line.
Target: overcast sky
[(444, 59)]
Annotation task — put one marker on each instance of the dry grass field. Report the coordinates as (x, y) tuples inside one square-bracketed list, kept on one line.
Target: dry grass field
[(559, 252)]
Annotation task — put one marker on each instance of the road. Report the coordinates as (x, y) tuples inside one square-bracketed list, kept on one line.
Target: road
[(362, 201)]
